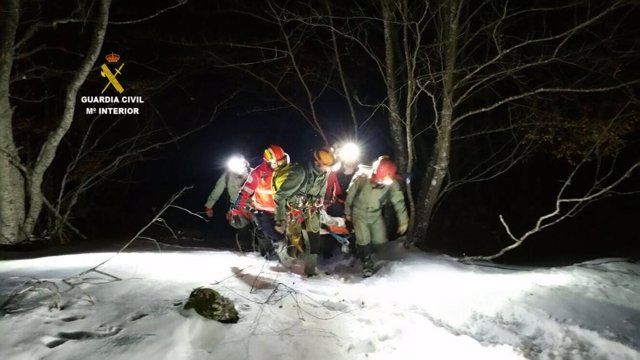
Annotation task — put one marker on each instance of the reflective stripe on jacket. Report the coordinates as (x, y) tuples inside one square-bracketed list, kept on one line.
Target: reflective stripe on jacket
[(257, 187)]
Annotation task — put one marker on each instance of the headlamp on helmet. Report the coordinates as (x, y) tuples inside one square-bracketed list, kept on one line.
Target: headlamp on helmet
[(384, 171), (346, 153), (238, 165), (349, 152)]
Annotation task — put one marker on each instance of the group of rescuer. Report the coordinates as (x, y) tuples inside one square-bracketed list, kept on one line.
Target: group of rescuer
[(283, 203)]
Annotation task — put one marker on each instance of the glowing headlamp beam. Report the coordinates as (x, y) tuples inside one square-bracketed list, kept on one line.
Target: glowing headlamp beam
[(349, 152), (237, 165)]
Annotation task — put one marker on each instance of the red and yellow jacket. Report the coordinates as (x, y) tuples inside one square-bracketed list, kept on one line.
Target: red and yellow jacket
[(257, 187)]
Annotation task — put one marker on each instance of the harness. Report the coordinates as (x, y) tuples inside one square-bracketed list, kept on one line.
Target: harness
[(297, 212), (300, 208)]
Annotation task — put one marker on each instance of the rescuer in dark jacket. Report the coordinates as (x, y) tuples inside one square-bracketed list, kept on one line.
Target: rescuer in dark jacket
[(299, 194)]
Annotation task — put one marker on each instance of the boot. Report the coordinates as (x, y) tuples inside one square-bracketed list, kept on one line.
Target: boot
[(310, 262), (272, 254), (283, 254), (264, 245), (367, 267), (364, 254)]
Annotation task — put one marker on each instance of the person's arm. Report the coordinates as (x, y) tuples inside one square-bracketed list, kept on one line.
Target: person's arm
[(352, 190), (397, 200), (248, 188), (221, 184)]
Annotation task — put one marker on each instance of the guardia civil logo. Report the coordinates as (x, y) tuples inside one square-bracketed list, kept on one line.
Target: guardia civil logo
[(109, 104), (111, 76)]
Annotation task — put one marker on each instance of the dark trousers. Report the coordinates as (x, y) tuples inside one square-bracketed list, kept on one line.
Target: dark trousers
[(266, 232), (244, 237), (314, 242)]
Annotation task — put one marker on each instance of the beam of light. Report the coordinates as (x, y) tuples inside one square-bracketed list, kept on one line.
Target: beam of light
[(349, 152), (387, 181), (346, 153), (237, 165)]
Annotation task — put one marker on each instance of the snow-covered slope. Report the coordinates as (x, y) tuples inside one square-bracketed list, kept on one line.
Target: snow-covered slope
[(418, 306)]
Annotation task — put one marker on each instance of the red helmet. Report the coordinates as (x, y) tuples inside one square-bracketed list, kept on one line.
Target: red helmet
[(384, 170), (275, 156)]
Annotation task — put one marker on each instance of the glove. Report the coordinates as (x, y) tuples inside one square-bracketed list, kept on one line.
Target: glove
[(233, 213), (209, 212), (246, 214), (402, 228), (279, 226)]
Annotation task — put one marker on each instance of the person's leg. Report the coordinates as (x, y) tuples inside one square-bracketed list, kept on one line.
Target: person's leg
[(292, 242), (366, 258), (361, 230), (261, 239), (265, 225), (269, 228), (327, 246), (363, 245), (312, 240), (378, 231), (245, 237), (311, 254)]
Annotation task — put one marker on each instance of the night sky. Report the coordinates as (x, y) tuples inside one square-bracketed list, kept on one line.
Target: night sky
[(176, 62)]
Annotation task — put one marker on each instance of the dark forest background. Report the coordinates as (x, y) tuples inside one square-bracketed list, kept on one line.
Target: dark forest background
[(201, 67)]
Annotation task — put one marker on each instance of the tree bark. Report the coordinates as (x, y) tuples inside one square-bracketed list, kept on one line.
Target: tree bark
[(12, 210), (439, 165), (395, 122), (21, 198)]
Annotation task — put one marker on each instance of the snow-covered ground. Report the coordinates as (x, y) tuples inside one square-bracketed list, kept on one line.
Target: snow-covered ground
[(418, 306)]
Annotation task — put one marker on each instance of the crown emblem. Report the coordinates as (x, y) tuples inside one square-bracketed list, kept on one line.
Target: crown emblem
[(113, 58)]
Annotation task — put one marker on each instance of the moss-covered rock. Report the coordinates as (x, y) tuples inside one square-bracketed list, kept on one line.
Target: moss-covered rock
[(210, 304)]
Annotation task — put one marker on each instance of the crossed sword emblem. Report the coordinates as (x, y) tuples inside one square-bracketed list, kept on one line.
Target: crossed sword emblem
[(112, 78)]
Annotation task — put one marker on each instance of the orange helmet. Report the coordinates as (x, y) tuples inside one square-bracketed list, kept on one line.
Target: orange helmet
[(324, 157), (384, 170), (275, 156)]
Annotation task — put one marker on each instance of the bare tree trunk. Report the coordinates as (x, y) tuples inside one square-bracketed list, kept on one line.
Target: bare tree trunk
[(410, 57), (18, 218), (393, 101), (11, 180), (439, 165), (48, 150)]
